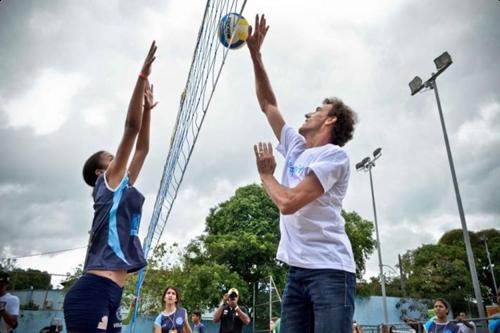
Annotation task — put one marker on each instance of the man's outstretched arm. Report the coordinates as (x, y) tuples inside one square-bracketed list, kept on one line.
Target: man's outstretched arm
[(264, 91)]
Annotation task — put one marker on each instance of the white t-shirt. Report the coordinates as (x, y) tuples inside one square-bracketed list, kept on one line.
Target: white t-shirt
[(11, 304), (466, 329), (314, 237)]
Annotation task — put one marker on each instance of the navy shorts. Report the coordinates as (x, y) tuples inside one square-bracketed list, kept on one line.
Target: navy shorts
[(93, 305)]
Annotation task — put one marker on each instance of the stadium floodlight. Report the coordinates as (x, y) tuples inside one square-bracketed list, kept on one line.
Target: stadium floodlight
[(416, 85), (442, 63), (377, 152), (361, 165)]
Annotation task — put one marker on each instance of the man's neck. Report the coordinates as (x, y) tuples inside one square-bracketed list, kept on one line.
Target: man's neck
[(317, 139)]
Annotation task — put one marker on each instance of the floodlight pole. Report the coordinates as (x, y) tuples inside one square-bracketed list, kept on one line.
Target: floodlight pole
[(490, 265), (379, 250), (470, 256), (368, 165)]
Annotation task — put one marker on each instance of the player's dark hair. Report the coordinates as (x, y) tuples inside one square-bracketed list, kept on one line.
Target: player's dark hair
[(343, 128), (444, 302), (92, 164)]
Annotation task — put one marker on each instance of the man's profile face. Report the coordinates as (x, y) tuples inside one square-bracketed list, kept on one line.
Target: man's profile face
[(316, 119)]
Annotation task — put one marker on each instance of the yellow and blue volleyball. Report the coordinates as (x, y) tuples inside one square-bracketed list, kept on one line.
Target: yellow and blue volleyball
[(233, 24)]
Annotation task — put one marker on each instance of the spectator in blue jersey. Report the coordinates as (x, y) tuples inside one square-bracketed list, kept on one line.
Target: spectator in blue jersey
[(494, 322), (173, 318), (440, 323), (114, 250), (198, 326)]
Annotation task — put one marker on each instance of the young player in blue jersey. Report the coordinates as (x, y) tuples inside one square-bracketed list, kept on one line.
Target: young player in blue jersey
[(440, 323), (93, 302), (173, 318)]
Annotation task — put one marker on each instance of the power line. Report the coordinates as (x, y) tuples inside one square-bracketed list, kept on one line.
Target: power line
[(44, 253)]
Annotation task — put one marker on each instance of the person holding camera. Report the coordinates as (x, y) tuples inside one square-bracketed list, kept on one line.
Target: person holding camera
[(9, 306), (231, 316)]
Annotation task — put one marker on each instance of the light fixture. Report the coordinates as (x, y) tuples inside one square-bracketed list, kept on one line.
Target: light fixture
[(443, 61), (415, 85)]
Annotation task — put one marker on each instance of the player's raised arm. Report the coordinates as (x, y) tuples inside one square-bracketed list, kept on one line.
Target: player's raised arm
[(265, 94), (142, 145), (118, 166)]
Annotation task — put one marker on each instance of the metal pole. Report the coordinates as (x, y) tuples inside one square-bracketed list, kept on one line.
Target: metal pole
[(468, 247), (382, 278), (253, 308), (270, 301), (403, 288), (491, 266)]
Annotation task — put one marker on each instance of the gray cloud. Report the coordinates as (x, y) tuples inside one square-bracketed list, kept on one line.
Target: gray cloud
[(366, 55)]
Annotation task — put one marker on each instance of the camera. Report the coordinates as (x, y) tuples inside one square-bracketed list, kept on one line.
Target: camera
[(232, 296)]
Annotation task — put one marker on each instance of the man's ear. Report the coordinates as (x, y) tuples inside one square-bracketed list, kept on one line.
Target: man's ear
[(99, 172), (330, 121)]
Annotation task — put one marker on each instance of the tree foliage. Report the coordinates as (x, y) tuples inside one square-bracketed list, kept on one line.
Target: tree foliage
[(21, 279), (442, 269), (360, 234)]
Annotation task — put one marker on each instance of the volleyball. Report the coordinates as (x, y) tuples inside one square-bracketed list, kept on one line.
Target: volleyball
[(233, 24)]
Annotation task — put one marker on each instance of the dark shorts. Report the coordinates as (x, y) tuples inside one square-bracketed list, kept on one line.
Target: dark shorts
[(93, 305)]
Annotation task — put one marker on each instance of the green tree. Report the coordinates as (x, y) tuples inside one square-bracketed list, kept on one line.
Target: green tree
[(71, 278), (27, 278), (241, 237), (455, 238), (360, 234), (437, 270)]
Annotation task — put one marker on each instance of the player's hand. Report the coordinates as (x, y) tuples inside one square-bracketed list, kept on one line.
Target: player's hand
[(149, 102), (146, 67), (256, 37), (266, 164)]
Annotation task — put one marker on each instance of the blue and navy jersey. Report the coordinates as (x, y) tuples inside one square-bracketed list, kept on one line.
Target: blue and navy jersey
[(174, 320), (432, 327), (114, 243), (494, 325)]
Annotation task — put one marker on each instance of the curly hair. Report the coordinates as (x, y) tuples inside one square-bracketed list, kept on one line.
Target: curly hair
[(343, 127)]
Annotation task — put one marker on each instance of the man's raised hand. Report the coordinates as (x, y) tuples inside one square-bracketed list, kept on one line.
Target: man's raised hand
[(256, 37), (266, 164)]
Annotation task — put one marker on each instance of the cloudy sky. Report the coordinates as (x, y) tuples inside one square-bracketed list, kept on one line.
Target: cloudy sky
[(68, 69)]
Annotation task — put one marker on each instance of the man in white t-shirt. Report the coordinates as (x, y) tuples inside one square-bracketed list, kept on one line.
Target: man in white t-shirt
[(465, 325), (9, 306), (319, 293)]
